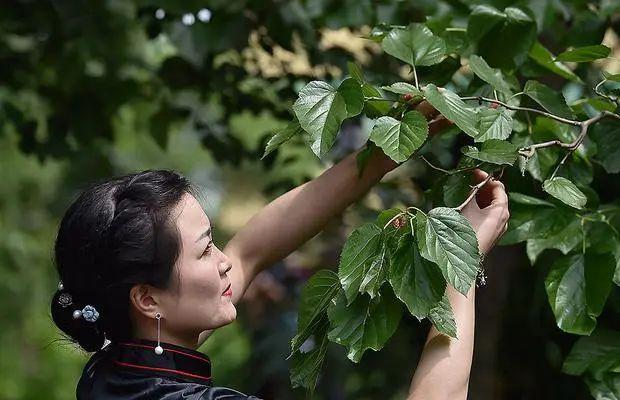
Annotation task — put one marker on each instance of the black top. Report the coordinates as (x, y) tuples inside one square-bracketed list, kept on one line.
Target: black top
[(131, 370)]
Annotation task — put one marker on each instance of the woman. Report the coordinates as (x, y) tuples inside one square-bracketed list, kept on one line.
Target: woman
[(138, 267)]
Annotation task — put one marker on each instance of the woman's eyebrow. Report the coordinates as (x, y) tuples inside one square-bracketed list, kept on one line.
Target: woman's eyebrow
[(204, 234)]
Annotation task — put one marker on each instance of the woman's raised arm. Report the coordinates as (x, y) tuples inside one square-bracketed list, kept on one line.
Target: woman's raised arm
[(445, 364), (290, 220)]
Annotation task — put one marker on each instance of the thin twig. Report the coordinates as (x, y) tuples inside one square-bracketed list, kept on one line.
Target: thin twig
[(473, 192), (527, 109), (449, 171)]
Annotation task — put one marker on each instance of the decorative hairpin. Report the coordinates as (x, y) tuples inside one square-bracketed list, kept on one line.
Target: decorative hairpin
[(65, 300), (89, 313)]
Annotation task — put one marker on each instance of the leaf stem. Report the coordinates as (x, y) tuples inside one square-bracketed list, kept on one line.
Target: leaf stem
[(400, 214), (415, 77), (416, 208)]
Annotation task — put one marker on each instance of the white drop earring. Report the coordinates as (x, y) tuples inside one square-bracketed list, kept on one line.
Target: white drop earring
[(158, 350)]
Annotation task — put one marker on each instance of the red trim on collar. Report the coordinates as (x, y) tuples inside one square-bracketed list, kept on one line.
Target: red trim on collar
[(144, 346), (124, 364)]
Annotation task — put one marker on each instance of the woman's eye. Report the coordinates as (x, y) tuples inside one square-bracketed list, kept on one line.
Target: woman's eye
[(207, 250)]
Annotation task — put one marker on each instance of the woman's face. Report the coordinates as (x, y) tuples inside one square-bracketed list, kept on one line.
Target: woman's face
[(196, 301)]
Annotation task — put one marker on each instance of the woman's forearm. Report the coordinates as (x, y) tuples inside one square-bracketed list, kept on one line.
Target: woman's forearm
[(445, 364), (298, 215)]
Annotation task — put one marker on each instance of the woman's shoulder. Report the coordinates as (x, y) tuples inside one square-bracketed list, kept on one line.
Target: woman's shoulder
[(130, 371)]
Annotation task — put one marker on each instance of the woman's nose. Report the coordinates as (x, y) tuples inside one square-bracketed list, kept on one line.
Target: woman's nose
[(225, 267)]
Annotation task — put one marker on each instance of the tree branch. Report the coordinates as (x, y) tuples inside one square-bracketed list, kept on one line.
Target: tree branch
[(527, 109), (473, 192)]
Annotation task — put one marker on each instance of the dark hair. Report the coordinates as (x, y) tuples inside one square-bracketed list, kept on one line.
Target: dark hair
[(116, 234)]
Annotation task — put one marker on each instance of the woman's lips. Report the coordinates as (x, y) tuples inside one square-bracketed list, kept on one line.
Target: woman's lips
[(228, 291)]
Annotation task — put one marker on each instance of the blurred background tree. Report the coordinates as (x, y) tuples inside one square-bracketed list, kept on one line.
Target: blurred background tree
[(89, 90)]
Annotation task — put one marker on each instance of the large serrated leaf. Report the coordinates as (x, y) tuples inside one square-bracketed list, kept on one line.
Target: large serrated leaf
[(442, 317), (365, 323), (494, 151), (492, 76), (416, 281), (544, 58), (453, 108), (577, 288), (400, 139), (493, 123), (402, 88), (282, 136), (565, 191), (551, 100), (306, 366), (315, 298), (320, 109), (362, 248), (415, 45), (447, 238), (596, 354)]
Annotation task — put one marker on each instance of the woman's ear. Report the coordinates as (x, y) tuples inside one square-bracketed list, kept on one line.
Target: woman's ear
[(144, 300)]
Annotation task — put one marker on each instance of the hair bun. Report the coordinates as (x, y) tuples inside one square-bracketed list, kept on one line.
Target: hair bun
[(85, 333)]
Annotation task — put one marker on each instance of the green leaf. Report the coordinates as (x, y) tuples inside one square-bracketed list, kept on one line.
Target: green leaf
[(365, 323), (564, 240), (529, 200), (584, 54), (282, 136), (493, 123), (551, 100), (494, 151), (315, 297), (577, 287), (321, 109), (453, 108), (482, 19), (446, 238), (503, 38), (492, 76), (355, 72), (607, 387), (400, 139), (362, 248), (402, 88), (565, 191), (545, 59), (536, 223), (374, 108), (442, 317), (606, 135), (456, 189), (415, 45), (306, 366), (597, 353), (376, 273), (416, 281)]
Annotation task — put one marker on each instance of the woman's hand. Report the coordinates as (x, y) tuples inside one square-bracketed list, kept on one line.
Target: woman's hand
[(488, 212)]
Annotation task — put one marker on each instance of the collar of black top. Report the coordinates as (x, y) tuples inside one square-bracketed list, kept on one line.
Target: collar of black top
[(138, 355)]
